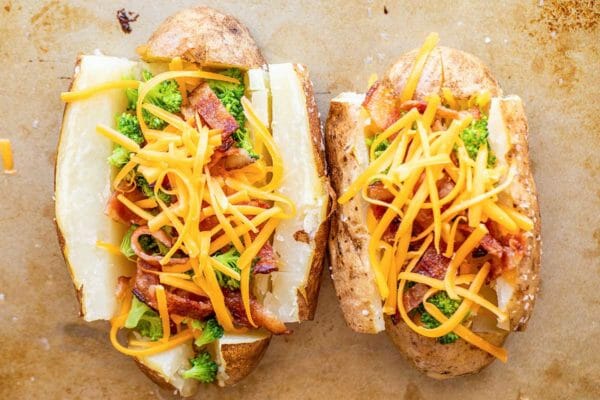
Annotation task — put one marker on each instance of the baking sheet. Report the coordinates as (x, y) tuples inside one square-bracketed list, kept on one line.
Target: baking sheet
[(545, 51)]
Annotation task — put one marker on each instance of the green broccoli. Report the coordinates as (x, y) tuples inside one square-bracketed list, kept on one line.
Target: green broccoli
[(144, 320), (204, 369), (119, 157), (476, 135), (229, 259), (211, 331), (148, 191), (126, 242), (448, 307), (165, 95), (152, 246), (381, 147), (128, 125), (231, 95)]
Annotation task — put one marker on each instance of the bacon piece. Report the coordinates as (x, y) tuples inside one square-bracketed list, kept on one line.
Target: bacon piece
[(120, 213), (378, 192), (236, 158), (488, 243), (233, 301), (445, 186), (267, 260), (184, 304), (413, 296), (206, 103), (381, 105), (423, 219), (122, 287), (432, 264)]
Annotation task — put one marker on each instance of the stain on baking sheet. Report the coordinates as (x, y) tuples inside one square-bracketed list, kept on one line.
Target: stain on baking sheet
[(55, 19), (125, 19)]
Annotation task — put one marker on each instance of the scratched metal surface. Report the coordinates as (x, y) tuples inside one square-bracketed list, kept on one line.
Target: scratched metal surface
[(544, 51)]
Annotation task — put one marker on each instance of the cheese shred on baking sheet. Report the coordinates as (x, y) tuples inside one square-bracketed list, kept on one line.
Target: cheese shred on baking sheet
[(178, 161), (437, 198)]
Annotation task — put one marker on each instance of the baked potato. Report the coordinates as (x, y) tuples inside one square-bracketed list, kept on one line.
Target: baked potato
[(434, 186), (200, 151)]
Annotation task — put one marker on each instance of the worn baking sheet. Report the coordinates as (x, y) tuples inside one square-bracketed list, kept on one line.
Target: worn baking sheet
[(546, 51)]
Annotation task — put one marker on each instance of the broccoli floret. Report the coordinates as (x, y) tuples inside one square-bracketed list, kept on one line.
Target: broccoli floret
[(204, 369), (231, 95), (152, 246), (211, 331), (126, 242), (229, 259), (476, 135), (148, 191), (165, 95), (144, 320), (381, 147), (129, 126), (119, 157), (448, 307)]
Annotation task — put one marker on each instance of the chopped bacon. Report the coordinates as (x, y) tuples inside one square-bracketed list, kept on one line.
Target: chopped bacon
[(122, 287), (160, 236), (185, 304), (206, 103), (445, 186), (423, 220), (208, 223), (381, 105), (413, 296), (267, 260), (488, 243), (120, 213), (261, 317), (378, 192), (432, 264), (235, 158)]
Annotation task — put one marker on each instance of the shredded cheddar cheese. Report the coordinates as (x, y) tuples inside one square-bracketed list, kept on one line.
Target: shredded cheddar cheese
[(439, 199), (7, 156)]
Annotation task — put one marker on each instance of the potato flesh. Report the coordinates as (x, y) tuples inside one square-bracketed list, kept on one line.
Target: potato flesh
[(83, 187), (169, 364), (301, 183)]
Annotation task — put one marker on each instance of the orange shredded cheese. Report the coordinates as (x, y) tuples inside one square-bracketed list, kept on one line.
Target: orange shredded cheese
[(7, 156)]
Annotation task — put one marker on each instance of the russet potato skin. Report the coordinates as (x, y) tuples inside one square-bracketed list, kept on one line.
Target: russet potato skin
[(208, 37), (353, 279)]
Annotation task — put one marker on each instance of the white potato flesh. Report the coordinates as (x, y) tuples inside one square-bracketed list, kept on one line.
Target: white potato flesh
[(83, 187), (301, 183), (169, 364)]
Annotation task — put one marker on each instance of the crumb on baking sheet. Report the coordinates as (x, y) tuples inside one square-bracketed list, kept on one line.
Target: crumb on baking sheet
[(125, 19)]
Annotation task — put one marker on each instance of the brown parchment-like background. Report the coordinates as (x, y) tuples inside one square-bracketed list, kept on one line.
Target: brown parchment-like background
[(545, 51)]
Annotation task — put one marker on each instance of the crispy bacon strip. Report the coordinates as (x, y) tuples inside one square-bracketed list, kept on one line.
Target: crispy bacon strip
[(178, 302), (120, 213), (233, 301), (206, 103), (381, 105), (432, 264), (267, 260), (378, 192), (413, 297)]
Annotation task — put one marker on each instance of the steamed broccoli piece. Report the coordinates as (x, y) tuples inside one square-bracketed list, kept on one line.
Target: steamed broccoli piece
[(144, 320), (231, 95), (381, 147), (126, 242), (448, 307), (229, 259), (476, 135), (211, 331), (165, 95), (204, 369), (119, 157), (148, 191), (128, 125)]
